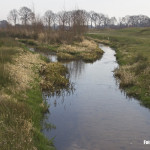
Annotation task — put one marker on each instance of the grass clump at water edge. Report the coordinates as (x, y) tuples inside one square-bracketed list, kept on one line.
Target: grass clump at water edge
[(54, 77)]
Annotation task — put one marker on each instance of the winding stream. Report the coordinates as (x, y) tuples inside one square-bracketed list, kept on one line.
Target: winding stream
[(97, 116)]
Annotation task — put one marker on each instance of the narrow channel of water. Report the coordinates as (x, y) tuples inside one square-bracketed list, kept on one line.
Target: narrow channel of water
[(98, 116)]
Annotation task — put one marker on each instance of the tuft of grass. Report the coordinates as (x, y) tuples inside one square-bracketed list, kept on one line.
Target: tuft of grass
[(88, 57), (87, 50), (65, 56), (54, 77), (126, 76)]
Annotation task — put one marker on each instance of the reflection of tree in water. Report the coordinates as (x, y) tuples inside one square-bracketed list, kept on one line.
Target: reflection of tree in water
[(60, 94), (75, 68)]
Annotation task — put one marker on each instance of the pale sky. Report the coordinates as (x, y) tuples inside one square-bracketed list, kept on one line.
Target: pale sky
[(117, 8)]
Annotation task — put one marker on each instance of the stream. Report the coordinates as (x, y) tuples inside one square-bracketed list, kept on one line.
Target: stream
[(97, 115)]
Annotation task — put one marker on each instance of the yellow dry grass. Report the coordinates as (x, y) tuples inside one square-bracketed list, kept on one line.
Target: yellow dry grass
[(127, 77), (88, 43), (71, 48), (19, 132), (87, 50), (21, 71), (84, 46), (99, 41)]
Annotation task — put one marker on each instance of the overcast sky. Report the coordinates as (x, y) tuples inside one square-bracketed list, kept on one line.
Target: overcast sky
[(118, 8)]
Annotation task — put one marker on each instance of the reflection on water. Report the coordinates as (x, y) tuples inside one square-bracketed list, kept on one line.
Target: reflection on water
[(59, 94), (75, 68), (97, 116), (52, 58)]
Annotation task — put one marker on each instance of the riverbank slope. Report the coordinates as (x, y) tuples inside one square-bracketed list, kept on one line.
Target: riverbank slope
[(132, 46), (24, 74), (21, 103)]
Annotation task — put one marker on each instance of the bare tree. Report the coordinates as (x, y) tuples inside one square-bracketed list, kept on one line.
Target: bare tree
[(79, 21), (106, 20), (100, 20), (38, 23), (26, 15), (13, 16), (95, 18), (69, 18), (62, 18), (87, 18), (49, 17), (54, 19), (113, 21)]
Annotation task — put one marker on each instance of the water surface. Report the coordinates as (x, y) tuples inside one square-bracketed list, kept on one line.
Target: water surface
[(97, 116)]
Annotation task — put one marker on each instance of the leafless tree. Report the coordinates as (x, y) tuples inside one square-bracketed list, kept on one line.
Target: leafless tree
[(91, 18), (69, 18), (49, 17), (54, 19), (26, 15), (95, 18), (62, 18), (112, 21), (13, 16), (87, 18), (79, 21), (100, 20)]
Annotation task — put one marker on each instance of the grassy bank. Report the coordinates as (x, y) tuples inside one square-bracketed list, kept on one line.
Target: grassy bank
[(21, 104), (23, 76), (132, 46), (54, 77), (86, 50)]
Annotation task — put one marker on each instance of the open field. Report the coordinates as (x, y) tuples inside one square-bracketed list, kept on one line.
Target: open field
[(132, 46)]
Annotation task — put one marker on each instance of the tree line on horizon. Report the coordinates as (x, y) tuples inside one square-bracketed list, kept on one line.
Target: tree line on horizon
[(67, 19), (64, 26)]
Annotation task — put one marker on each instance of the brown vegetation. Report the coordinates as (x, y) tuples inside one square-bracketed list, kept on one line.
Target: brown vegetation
[(87, 50), (21, 103), (132, 53), (54, 77)]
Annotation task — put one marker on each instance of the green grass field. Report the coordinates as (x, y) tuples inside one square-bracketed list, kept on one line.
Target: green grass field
[(132, 46)]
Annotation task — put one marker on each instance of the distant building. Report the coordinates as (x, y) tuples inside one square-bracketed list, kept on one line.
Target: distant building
[(3, 24)]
